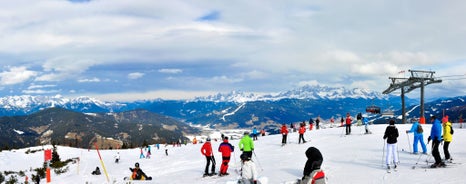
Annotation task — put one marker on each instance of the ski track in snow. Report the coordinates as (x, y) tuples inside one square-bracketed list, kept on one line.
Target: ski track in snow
[(356, 158)]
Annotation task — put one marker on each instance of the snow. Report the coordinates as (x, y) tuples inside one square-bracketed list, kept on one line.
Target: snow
[(356, 158), (18, 131)]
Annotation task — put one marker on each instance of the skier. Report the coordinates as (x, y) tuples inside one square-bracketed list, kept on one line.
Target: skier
[(359, 119), (96, 171), (148, 154), (138, 174), (366, 125), (348, 123), (391, 134), (418, 136), (311, 124), (117, 157), (312, 172), (317, 123), (447, 138), (436, 137), (284, 132), (246, 144), (248, 171), (254, 133), (206, 150), (142, 153), (302, 130), (332, 121), (225, 148)]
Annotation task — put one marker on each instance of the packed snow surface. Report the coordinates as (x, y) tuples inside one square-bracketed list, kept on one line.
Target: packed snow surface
[(356, 158)]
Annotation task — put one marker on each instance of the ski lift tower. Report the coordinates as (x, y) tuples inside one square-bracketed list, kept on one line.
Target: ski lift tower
[(418, 79)]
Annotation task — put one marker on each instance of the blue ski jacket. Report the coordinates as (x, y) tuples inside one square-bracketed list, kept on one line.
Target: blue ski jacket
[(436, 130), (414, 129)]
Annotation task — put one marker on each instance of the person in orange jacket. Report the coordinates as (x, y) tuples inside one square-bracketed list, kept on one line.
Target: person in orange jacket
[(284, 132), (206, 150)]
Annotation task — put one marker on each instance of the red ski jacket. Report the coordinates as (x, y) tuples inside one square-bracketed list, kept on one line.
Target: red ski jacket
[(226, 148), (284, 130), (302, 130), (206, 149)]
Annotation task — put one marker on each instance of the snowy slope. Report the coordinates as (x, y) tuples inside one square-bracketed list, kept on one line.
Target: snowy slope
[(347, 159)]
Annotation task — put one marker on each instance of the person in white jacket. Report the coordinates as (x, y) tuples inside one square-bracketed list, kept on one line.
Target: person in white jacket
[(248, 171)]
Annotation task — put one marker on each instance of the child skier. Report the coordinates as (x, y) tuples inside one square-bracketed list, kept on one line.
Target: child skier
[(248, 171), (391, 134), (312, 172), (225, 148), (206, 150)]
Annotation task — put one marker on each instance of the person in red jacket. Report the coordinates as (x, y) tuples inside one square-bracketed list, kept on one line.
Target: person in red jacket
[(348, 123), (225, 148), (302, 130), (206, 150), (284, 132)]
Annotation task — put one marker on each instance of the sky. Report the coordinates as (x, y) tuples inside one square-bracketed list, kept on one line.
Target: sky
[(352, 159), (147, 49)]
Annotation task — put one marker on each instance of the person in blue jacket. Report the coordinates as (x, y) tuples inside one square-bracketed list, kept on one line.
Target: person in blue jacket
[(418, 136), (254, 133), (436, 137)]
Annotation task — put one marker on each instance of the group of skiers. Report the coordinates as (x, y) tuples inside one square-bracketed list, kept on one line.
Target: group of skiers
[(437, 135)]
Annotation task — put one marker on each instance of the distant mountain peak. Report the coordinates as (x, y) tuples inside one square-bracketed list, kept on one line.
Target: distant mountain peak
[(314, 91)]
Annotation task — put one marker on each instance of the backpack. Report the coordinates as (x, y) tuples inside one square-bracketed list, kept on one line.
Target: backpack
[(419, 129), (316, 177)]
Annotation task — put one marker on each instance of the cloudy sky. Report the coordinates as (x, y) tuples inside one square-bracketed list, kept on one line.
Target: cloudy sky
[(178, 49)]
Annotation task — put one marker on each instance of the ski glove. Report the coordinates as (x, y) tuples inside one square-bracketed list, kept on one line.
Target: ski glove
[(428, 140), (255, 181)]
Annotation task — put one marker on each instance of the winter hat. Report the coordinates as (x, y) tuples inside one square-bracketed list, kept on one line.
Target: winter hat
[(208, 139), (136, 164)]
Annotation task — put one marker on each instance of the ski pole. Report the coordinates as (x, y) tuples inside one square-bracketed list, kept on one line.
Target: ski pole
[(383, 152), (409, 142), (257, 160)]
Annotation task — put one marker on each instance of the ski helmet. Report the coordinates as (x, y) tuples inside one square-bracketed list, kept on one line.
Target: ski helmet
[(208, 139), (136, 164)]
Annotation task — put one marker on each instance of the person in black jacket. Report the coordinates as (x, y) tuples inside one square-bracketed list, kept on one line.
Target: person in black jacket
[(138, 174), (314, 161), (391, 134)]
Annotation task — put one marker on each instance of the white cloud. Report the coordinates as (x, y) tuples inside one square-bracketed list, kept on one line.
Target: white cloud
[(34, 86), (95, 79), (171, 70), (135, 75), (16, 75)]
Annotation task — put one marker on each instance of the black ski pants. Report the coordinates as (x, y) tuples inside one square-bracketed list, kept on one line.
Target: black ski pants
[(209, 159), (284, 138), (445, 150), (435, 152)]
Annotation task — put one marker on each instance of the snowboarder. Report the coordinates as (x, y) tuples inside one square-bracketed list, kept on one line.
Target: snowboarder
[(117, 157), (96, 171), (447, 138), (246, 144), (225, 148), (206, 150), (418, 136), (348, 123), (254, 133), (391, 134), (248, 171), (302, 130), (312, 172), (138, 174), (284, 132), (436, 137)]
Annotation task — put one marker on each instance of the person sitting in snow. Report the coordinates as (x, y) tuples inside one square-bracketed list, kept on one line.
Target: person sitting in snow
[(248, 171), (138, 174), (96, 171), (312, 172)]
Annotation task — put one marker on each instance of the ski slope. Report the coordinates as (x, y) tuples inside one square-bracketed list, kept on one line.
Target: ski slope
[(355, 158)]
